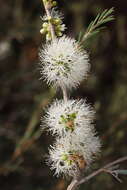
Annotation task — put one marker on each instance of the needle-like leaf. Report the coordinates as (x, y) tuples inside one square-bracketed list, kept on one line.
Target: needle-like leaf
[(97, 25)]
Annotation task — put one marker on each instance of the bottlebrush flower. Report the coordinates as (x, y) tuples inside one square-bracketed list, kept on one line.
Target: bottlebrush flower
[(64, 63), (71, 154), (72, 116)]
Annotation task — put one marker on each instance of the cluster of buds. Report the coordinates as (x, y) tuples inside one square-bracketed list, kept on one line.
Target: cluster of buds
[(58, 27), (50, 3), (65, 64), (55, 19)]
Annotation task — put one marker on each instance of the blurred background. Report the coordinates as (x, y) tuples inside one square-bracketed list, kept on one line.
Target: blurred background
[(23, 96)]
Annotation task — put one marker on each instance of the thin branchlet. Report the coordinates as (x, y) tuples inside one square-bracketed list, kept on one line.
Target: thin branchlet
[(106, 169), (48, 12), (52, 28), (96, 25)]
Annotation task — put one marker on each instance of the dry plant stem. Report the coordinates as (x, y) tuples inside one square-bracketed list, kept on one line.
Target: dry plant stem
[(107, 169), (73, 185), (48, 13), (64, 90), (116, 162), (47, 9)]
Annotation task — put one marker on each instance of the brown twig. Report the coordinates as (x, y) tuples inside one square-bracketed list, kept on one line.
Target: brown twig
[(107, 169), (65, 96), (47, 7), (48, 13), (73, 185)]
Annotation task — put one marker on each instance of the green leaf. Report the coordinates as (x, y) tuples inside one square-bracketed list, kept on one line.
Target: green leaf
[(123, 172), (96, 19), (96, 25), (80, 36)]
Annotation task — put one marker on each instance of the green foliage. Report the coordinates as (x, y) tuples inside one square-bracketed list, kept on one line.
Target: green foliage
[(122, 172), (96, 26)]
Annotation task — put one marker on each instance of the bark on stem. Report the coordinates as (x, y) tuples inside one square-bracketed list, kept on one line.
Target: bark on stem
[(48, 13), (73, 185), (64, 90), (47, 7), (106, 169)]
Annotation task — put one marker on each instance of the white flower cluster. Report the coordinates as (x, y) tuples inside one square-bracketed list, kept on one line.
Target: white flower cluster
[(72, 154), (76, 145), (65, 64), (67, 117)]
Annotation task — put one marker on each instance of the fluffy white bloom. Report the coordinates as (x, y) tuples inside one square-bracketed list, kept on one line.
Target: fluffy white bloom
[(72, 116), (70, 154), (64, 63)]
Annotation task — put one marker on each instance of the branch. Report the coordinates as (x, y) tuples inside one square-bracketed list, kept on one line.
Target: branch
[(96, 25), (73, 185), (65, 95), (48, 12), (107, 169), (47, 7)]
